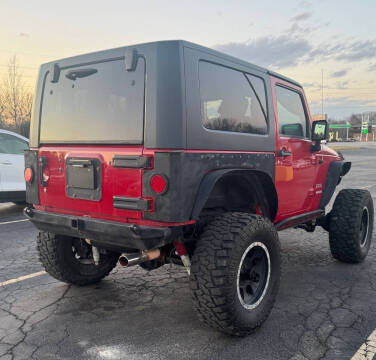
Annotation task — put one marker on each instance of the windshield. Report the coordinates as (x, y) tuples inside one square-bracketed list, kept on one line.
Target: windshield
[(98, 103)]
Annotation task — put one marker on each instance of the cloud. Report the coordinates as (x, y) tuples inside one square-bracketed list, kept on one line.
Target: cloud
[(301, 17), (339, 73), (299, 30), (276, 51), (358, 50), (304, 4), (294, 46), (342, 85), (311, 85), (343, 106), (345, 51)]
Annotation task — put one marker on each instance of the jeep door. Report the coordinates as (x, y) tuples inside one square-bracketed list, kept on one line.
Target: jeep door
[(295, 163)]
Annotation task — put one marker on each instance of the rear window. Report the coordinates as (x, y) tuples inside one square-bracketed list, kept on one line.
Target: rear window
[(96, 103)]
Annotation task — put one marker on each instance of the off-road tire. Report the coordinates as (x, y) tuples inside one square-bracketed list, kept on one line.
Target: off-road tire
[(55, 254), (214, 272), (345, 223)]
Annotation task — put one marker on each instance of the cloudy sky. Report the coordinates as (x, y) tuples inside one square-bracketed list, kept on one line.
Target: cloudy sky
[(298, 38)]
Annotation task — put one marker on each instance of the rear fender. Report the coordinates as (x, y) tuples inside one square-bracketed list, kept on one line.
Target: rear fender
[(260, 184)]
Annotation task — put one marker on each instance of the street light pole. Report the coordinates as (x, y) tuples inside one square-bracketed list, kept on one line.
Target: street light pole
[(322, 92)]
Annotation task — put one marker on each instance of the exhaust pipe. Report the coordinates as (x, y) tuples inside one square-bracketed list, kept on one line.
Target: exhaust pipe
[(131, 259)]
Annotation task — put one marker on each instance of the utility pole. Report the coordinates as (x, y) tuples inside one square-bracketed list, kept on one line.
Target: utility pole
[(322, 91), (361, 128), (347, 133)]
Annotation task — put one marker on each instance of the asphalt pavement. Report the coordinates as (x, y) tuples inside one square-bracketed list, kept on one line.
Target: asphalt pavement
[(325, 309)]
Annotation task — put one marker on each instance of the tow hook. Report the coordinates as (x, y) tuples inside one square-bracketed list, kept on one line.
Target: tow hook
[(181, 250)]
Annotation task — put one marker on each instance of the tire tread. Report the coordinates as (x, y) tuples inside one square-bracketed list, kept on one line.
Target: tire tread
[(48, 247), (210, 264), (344, 224)]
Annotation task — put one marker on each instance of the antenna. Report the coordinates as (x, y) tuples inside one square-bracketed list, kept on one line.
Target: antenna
[(322, 92)]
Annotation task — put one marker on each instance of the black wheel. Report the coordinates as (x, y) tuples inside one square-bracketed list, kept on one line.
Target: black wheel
[(70, 259), (351, 225), (236, 272)]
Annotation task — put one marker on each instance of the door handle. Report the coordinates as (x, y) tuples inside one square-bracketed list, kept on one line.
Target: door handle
[(284, 152), (6, 163)]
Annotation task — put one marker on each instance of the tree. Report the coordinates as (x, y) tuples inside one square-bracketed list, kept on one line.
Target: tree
[(15, 100), (355, 119)]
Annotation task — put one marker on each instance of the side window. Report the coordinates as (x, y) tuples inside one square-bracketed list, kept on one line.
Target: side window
[(228, 101), (10, 144), (292, 120), (259, 87)]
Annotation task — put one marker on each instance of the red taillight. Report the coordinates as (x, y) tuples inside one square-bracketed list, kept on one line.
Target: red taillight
[(158, 184), (28, 175)]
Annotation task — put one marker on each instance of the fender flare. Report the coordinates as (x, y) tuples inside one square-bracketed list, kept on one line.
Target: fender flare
[(337, 169), (267, 199)]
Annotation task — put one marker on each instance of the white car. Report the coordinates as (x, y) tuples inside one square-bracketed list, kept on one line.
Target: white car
[(12, 183)]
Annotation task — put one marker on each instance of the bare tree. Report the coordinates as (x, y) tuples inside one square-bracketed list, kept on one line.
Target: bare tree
[(2, 109), (15, 100)]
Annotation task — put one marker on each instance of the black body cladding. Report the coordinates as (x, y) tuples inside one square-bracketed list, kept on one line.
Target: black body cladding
[(186, 172), (337, 169)]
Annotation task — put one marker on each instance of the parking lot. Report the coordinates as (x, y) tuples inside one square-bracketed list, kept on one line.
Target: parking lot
[(325, 309)]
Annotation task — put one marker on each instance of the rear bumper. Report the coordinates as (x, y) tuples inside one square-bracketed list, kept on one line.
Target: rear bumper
[(105, 234)]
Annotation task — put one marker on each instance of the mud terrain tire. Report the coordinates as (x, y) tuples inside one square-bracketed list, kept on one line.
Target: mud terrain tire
[(351, 225), (231, 247), (58, 259)]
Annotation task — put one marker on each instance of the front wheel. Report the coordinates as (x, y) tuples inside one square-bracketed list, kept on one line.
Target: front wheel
[(70, 259), (236, 272), (351, 225)]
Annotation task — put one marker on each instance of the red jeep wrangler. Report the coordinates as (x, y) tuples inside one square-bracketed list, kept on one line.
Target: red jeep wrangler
[(172, 152)]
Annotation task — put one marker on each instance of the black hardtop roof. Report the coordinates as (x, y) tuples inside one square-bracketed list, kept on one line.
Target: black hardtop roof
[(237, 60), (178, 43)]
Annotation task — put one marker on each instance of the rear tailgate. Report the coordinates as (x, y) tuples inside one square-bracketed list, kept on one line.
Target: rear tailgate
[(94, 181), (91, 126)]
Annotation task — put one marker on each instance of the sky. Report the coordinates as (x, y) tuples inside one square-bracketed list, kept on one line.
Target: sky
[(302, 39)]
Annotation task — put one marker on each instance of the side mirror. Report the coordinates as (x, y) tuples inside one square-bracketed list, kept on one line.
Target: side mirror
[(320, 130)]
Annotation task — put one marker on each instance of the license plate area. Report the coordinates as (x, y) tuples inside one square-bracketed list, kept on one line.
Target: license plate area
[(83, 179)]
